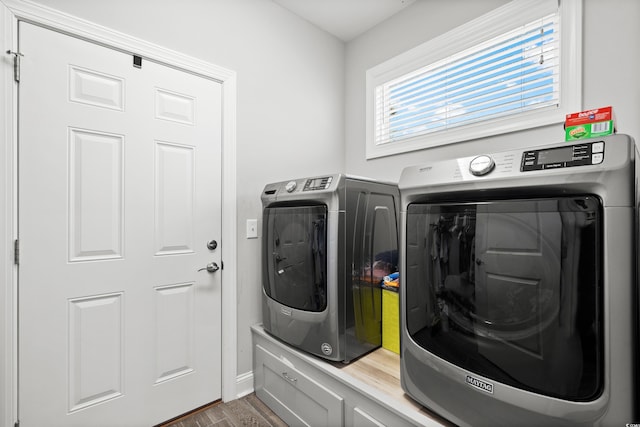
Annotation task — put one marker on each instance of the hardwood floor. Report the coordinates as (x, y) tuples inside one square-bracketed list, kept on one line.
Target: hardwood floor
[(246, 411)]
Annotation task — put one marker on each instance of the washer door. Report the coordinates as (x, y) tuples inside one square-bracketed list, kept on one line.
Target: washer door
[(295, 256), (510, 290)]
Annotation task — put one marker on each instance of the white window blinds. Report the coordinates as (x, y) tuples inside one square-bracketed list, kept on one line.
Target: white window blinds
[(515, 72), (514, 68)]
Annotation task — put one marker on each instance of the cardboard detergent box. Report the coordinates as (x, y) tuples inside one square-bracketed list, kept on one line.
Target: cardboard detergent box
[(589, 124)]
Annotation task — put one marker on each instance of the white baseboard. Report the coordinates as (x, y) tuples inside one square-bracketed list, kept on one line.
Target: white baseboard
[(244, 384)]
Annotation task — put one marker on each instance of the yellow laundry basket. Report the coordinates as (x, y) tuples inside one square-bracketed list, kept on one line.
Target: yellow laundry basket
[(391, 320)]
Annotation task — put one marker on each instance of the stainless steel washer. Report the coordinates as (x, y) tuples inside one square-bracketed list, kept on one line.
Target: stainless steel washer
[(519, 297), (327, 243)]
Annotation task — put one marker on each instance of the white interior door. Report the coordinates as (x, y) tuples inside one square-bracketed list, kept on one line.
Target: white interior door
[(119, 193), (519, 293)]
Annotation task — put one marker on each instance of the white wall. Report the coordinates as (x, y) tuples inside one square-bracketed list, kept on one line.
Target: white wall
[(610, 68), (290, 100), (7, 312)]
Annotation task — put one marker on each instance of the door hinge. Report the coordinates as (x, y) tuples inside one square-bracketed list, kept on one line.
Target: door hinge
[(16, 424), (16, 64), (16, 252)]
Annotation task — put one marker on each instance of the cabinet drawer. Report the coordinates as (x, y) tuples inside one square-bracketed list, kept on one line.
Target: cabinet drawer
[(293, 396), (366, 413), (363, 419)]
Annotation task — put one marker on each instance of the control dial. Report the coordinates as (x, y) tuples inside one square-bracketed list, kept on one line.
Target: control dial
[(481, 165), (291, 185)]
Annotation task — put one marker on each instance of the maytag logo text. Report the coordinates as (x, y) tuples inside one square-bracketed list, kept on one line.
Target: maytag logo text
[(479, 384)]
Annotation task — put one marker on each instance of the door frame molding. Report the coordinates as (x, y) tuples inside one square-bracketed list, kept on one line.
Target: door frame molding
[(13, 11)]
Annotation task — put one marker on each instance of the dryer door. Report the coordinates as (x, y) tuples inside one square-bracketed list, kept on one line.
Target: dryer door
[(295, 256)]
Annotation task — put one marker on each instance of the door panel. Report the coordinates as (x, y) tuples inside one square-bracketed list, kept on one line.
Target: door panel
[(95, 339), (96, 195), (119, 191), (518, 257), (174, 184)]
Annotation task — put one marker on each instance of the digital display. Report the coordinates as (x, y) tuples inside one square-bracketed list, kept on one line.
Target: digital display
[(555, 155), (314, 184), (587, 153)]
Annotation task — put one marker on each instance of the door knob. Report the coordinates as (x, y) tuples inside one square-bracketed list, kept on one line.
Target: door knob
[(212, 267), (212, 245)]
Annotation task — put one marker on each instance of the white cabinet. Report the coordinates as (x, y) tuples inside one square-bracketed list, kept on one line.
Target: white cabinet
[(306, 390), (293, 396), (364, 412), (363, 419)]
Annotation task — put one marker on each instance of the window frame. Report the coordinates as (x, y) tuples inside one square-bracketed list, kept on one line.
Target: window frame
[(499, 21)]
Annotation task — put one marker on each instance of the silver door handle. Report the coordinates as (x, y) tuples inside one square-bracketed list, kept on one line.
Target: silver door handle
[(212, 267)]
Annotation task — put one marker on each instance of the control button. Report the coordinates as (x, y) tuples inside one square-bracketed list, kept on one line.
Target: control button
[(481, 165), (597, 147), (555, 165), (597, 158), (291, 185)]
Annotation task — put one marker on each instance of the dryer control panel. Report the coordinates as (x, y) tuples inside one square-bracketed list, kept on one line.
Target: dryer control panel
[(588, 153)]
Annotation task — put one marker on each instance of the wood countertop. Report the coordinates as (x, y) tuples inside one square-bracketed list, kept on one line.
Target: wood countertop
[(380, 369)]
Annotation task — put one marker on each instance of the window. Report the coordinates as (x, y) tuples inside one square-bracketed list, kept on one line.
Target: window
[(514, 68)]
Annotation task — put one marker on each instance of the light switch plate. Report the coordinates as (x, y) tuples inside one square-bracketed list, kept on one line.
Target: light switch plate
[(252, 229)]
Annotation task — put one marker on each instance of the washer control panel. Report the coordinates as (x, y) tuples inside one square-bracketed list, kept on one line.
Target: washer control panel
[(588, 153), (573, 160), (314, 184)]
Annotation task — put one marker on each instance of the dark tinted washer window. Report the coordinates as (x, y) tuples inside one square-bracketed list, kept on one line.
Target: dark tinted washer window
[(510, 290)]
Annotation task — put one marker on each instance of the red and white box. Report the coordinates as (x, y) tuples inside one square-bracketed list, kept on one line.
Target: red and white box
[(589, 116), (592, 123)]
